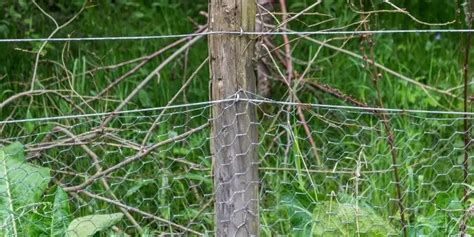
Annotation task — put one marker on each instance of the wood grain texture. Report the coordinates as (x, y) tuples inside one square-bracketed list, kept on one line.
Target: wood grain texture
[(234, 132)]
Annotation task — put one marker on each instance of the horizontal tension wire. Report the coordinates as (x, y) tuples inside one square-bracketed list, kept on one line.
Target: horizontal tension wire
[(253, 101), (152, 37)]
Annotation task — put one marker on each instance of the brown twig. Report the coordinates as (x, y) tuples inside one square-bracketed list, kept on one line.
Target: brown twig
[(289, 77), (293, 96), (376, 76), (183, 87), (98, 167), (29, 94), (58, 28), (380, 66), (302, 12), (143, 213), (144, 152), (84, 138), (286, 41), (263, 72), (416, 19), (151, 76), (144, 60), (336, 93), (287, 61)]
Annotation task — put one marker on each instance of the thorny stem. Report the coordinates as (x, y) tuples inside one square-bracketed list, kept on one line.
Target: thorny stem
[(390, 139), (337, 93), (287, 61)]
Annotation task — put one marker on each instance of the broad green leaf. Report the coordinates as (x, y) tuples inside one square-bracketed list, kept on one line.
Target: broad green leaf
[(341, 217), (60, 214), (346, 219), (21, 187), (89, 225)]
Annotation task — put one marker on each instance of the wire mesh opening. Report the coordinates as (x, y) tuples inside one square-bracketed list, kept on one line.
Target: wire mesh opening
[(338, 181)]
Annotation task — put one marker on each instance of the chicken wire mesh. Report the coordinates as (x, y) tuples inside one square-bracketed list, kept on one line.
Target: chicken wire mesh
[(344, 171)]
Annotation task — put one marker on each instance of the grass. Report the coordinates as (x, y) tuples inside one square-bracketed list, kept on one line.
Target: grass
[(298, 197)]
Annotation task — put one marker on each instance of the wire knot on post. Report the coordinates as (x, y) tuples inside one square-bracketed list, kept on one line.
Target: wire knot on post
[(237, 97)]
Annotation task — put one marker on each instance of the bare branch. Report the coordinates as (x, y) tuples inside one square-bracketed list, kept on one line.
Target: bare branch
[(136, 210), (136, 157)]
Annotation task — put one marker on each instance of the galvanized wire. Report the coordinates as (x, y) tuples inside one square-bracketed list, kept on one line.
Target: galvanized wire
[(206, 33)]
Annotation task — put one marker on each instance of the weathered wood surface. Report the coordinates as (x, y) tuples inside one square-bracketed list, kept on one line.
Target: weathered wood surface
[(234, 133)]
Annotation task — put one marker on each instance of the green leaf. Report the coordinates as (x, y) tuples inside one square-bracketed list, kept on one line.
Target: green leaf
[(180, 151), (341, 217), (144, 99), (198, 177), (61, 213), (29, 126), (138, 15), (137, 187), (21, 187), (89, 225), (346, 219), (298, 160)]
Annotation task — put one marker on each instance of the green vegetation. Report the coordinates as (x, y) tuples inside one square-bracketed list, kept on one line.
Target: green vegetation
[(173, 184), (25, 213)]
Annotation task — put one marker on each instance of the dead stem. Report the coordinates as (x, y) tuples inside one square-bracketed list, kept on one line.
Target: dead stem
[(376, 76), (138, 211), (144, 152)]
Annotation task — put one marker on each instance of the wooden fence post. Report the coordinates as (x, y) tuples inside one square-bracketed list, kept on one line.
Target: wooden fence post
[(234, 131)]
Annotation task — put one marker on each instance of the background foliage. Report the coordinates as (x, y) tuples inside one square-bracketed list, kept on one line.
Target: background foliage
[(432, 59)]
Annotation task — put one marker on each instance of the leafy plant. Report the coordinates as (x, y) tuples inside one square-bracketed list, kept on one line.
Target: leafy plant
[(430, 171), (60, 216), (22, 185), (89, 225), (335, 218), (348, 219)]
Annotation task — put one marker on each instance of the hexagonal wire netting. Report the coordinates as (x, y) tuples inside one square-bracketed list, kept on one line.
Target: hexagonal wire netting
[(323, 169), (343, 171)]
